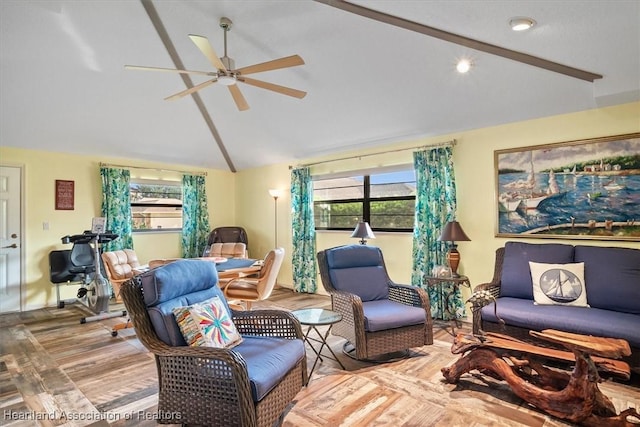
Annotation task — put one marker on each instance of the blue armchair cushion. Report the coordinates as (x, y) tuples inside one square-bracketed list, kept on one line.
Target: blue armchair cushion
[(516, 277), (580, 320), (178, 284), (611, 268), (268, 361), (381, 315), (359, 269)]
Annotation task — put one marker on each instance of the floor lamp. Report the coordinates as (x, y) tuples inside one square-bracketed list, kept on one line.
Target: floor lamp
[(275, 193)]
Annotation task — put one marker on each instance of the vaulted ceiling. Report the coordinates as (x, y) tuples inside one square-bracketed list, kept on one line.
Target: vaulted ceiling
[(64, 86)]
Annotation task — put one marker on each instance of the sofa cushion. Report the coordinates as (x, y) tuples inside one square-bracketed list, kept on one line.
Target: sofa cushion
[(516, 277), (558, 284), (268, 360), (581, 320), (385, 314), (359, 269), (612, 276)]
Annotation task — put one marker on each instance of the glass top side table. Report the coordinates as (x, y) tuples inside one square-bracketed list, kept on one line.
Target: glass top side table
[(314, 317), (448, 308)]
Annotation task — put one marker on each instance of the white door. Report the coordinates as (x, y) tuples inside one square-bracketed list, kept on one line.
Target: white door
[(10, 238)]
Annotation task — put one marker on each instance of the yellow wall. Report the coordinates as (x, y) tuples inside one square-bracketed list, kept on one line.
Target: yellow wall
[(474, 168), (43, 168), (243, 199)]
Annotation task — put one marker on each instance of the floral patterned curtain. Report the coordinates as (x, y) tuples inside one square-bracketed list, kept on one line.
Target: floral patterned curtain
[(195, 216), (303, 231), (435, 206), (116, 207)]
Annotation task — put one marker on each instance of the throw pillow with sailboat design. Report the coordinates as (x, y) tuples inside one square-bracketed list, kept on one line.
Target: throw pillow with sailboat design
[(558, 284)]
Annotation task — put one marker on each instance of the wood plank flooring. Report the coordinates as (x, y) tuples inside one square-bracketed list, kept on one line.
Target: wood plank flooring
[(55, 371)]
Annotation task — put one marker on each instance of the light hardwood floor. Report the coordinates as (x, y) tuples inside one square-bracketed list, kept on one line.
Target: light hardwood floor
[(50, 364)]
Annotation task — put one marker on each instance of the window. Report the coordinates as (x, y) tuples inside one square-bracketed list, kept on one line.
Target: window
[(385, 200), (156, 205)]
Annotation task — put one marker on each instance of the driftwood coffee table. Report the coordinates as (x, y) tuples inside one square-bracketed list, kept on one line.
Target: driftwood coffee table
[(574, 396)]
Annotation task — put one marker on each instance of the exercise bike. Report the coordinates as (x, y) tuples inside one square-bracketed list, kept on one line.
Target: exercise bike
[(94, 290)]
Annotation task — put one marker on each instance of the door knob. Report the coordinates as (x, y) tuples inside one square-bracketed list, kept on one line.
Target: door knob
[(10, 246)]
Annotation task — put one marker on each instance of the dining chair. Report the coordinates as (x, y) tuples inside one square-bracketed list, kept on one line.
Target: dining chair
[(229, 234), (227, 250), (249, 289), (120, 266)]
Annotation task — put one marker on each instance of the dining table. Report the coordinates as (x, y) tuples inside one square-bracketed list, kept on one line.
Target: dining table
[(235, 267), (228, 268)]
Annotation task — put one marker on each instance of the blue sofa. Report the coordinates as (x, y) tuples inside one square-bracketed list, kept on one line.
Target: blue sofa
[(611, 279)]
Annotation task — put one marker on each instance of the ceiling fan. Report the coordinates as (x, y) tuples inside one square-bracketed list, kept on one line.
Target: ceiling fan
[(226, 73)]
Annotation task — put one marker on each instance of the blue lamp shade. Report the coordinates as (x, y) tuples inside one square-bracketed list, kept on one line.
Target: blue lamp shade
[(363, 232)]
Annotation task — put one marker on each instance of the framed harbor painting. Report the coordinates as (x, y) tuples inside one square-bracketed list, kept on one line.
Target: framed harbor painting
[(587, 189)]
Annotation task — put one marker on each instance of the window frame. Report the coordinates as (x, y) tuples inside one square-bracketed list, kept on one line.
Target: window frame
[(132, 204), (366, 200)]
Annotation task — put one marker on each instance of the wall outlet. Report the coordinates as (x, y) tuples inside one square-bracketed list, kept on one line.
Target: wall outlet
[(45, 225)]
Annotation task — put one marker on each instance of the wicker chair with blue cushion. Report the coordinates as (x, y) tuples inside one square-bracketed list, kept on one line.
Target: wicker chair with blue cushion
[(250, 384), (378, 316)]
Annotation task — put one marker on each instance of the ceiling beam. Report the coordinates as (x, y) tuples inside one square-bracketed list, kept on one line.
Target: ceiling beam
[(173, 54), (461, 40)]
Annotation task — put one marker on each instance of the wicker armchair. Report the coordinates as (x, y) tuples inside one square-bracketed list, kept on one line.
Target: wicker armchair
[(252, 384), (378, 315)]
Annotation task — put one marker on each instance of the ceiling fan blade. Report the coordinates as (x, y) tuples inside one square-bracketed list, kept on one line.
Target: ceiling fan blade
[(289, 61), (274, 87), (171, 70), (205, 47), (190, 90), (241, 103)]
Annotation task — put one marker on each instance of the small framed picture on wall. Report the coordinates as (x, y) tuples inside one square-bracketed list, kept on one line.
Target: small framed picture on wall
[(64, 195)]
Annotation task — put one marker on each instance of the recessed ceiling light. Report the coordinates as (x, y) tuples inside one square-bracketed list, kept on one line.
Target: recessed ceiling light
[(521, 23), (463, 66)]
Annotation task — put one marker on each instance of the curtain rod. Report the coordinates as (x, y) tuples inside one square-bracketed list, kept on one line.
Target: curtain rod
[(449, 143), (152, 169)]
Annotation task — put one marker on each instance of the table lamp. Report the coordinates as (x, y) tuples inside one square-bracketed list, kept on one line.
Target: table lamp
[(363, 232), (453, 233)]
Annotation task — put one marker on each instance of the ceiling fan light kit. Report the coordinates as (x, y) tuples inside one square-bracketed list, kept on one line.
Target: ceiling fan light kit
[(227, 80), (521, 23), (227, 75)]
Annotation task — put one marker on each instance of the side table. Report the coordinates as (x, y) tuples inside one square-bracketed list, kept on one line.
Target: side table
[(448, 309), (314, 317)]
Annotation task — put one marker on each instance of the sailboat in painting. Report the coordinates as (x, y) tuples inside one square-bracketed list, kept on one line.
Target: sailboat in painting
[(525, 192), (614, 185)]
